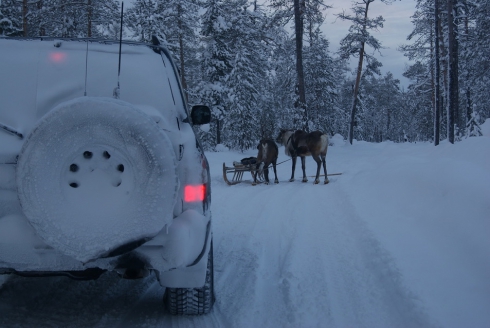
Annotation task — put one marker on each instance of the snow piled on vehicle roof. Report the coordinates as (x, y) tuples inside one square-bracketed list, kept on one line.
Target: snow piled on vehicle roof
[(40, 75)]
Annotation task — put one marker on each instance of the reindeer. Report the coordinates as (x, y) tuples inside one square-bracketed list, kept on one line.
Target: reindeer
[(302, 144), (268, 153)]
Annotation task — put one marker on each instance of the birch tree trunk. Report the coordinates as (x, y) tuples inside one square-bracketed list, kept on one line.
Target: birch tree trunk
[(358, 78)]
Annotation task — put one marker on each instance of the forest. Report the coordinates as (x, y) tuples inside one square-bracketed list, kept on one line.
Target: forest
[(265, 65)]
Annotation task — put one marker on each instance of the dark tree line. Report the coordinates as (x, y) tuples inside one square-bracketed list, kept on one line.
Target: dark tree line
[(451, 68), (60, 18), (264, 66)]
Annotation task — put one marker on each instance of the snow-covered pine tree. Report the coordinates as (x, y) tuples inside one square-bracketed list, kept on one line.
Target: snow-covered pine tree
[(265, 102), (216, 65), (343, 101), (283, 80), (382, 103), (103, 19), (474, 60), (56, 18), (425, 53), (10, 18), (247, 77), (180, 23), (323, 74), (418, 102), (19, 17), (473, 129), (144, 20)]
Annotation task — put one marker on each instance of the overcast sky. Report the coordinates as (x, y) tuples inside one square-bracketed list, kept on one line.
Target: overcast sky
[(397, 27)]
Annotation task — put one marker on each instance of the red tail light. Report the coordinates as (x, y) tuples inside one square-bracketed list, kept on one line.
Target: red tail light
[(194, 193), (57, 57)]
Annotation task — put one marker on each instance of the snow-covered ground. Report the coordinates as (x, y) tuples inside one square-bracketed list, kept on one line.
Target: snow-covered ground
[(400, 239)]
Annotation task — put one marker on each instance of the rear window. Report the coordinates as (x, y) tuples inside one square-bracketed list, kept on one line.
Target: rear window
[(40, 74)]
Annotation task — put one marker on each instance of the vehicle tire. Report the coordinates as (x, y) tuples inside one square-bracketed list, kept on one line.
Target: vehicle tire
[(193, 301), (96, 177)]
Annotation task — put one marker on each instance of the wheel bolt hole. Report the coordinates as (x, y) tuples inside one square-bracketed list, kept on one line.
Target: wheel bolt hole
[(106, 155), (73, 168), (120, 168), (87, 154), (74, 185)]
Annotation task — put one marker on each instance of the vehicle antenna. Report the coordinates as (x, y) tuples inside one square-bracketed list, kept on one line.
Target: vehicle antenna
[(117, 89), (86, 69)]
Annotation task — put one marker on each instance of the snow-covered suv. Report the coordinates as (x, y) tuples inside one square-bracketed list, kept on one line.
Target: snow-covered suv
[(100, 167)]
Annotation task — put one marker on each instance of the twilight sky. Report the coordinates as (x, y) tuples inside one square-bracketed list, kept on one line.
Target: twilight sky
[(397, 27)]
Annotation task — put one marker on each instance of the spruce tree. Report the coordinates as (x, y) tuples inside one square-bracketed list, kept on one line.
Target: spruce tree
[(217, 61), (10, 18), (145, 20)]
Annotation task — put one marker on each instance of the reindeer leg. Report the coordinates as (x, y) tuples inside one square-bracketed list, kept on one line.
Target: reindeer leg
[(266, 173), (275, 172), (318, 166), (325, 169), (294, 167), (257, 166), (303, 166)]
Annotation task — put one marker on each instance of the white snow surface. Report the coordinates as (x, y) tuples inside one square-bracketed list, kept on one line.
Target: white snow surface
[(400, 239)]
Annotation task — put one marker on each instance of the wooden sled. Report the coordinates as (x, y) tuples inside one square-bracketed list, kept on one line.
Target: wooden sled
[(236, 172)]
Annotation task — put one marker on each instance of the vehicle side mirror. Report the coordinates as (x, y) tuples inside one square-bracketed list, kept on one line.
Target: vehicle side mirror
[(200, 114)]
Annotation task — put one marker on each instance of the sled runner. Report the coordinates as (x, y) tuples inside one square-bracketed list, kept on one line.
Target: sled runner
[(238, 169)]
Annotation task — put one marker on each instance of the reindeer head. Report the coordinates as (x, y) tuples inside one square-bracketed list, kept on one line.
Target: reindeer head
[(280, 137)]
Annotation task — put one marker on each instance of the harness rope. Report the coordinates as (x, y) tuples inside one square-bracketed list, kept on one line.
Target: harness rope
[(283, 162)]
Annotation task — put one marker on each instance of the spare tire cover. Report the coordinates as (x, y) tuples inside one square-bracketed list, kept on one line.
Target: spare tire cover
[(96, 174)]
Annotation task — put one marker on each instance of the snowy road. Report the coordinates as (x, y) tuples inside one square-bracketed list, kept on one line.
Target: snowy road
[(317, 266), (289, 255)]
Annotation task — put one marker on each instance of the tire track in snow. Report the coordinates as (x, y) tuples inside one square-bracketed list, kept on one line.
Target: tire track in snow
[(325, 269), (259, 275), (365, 288), (246, 276)]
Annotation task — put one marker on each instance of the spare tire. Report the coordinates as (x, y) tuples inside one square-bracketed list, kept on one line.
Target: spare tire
[(97, 176)]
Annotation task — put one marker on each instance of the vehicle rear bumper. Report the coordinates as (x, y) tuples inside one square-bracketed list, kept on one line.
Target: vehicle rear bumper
[(182, 244)]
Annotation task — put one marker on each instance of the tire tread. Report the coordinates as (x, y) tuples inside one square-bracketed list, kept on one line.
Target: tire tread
[(193, 301)]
